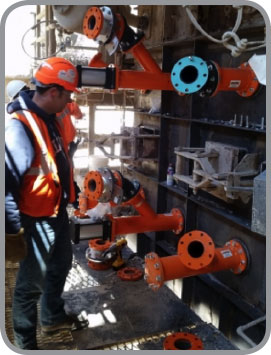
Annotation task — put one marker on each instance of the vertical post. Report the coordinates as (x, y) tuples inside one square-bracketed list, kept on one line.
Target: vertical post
[(91, 133)]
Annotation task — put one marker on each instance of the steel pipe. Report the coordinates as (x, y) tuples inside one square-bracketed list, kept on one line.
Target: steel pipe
[(193, 74), (196, 255)]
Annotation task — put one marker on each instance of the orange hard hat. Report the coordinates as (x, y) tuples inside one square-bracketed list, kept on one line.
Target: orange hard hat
[(57, 70)]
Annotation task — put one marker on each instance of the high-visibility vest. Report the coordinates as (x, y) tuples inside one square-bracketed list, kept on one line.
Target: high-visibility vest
[(40, 193), (64, 119)]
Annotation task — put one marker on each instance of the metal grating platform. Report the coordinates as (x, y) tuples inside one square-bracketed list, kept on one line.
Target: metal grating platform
[(123, 315)]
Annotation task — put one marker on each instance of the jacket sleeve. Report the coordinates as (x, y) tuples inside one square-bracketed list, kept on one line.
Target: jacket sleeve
[(19, 154)]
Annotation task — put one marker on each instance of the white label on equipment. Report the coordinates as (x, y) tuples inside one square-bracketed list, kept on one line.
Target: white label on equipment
[(226, 253), (235, 83)]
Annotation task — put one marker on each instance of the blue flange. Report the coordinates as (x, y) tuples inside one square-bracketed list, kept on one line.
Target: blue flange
[(189, 74)]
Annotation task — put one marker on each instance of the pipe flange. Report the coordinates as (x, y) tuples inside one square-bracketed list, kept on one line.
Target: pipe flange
[(99, 245), (117, 194), (130, 274), (182, 341), (236, 246), (196, 249), (177, 213), (108, 184), (189, 74), (154, 274), (94, 254), (253, 83), (100, 266), (98, 23), (93, 185)]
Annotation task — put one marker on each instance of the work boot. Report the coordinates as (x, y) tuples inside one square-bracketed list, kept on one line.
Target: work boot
[(71, 323)]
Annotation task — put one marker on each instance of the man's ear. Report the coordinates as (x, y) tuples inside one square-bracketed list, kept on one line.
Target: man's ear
[(53, 92)]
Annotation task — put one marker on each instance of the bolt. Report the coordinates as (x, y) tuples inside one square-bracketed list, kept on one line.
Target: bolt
[(243, 262), (251, 89), (156, 266), (262, 123), (158, 278), (241, 121), (234, 120), (151, 285), (190, 58), (247, 123), (244, 93), (146, 277)]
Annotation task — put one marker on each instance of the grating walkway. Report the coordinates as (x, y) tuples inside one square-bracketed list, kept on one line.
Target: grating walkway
[(61, 341), (123, 315)]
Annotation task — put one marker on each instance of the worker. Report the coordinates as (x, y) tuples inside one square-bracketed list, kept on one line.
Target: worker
[(14, 87), (64, 118), (39, 185)]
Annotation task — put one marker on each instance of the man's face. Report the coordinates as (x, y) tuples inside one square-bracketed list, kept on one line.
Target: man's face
[(59, 99)]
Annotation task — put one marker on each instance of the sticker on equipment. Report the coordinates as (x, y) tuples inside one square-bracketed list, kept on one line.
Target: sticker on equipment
[(226, 253), (235, 83)]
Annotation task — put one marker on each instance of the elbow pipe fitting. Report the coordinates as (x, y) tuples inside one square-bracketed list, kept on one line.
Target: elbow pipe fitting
[(196, 255), (104, 185), (193, 74)]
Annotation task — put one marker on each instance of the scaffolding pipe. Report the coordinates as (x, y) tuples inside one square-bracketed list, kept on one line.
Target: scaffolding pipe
[(240, 330)]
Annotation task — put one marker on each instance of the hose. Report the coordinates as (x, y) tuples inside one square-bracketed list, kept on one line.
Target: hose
[(240, 46), (54, 23)]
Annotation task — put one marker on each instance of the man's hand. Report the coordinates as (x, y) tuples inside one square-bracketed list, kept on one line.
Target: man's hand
[(15, 247)]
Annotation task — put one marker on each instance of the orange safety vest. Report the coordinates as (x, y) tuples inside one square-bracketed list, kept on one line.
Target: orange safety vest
[(64, 119), (40, 192)]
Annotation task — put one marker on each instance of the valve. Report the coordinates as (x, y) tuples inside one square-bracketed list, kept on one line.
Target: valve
[(193, 74), (196, 255)]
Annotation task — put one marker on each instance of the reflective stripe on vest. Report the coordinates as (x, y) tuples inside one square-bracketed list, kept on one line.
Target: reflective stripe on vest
[(47, 166)]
